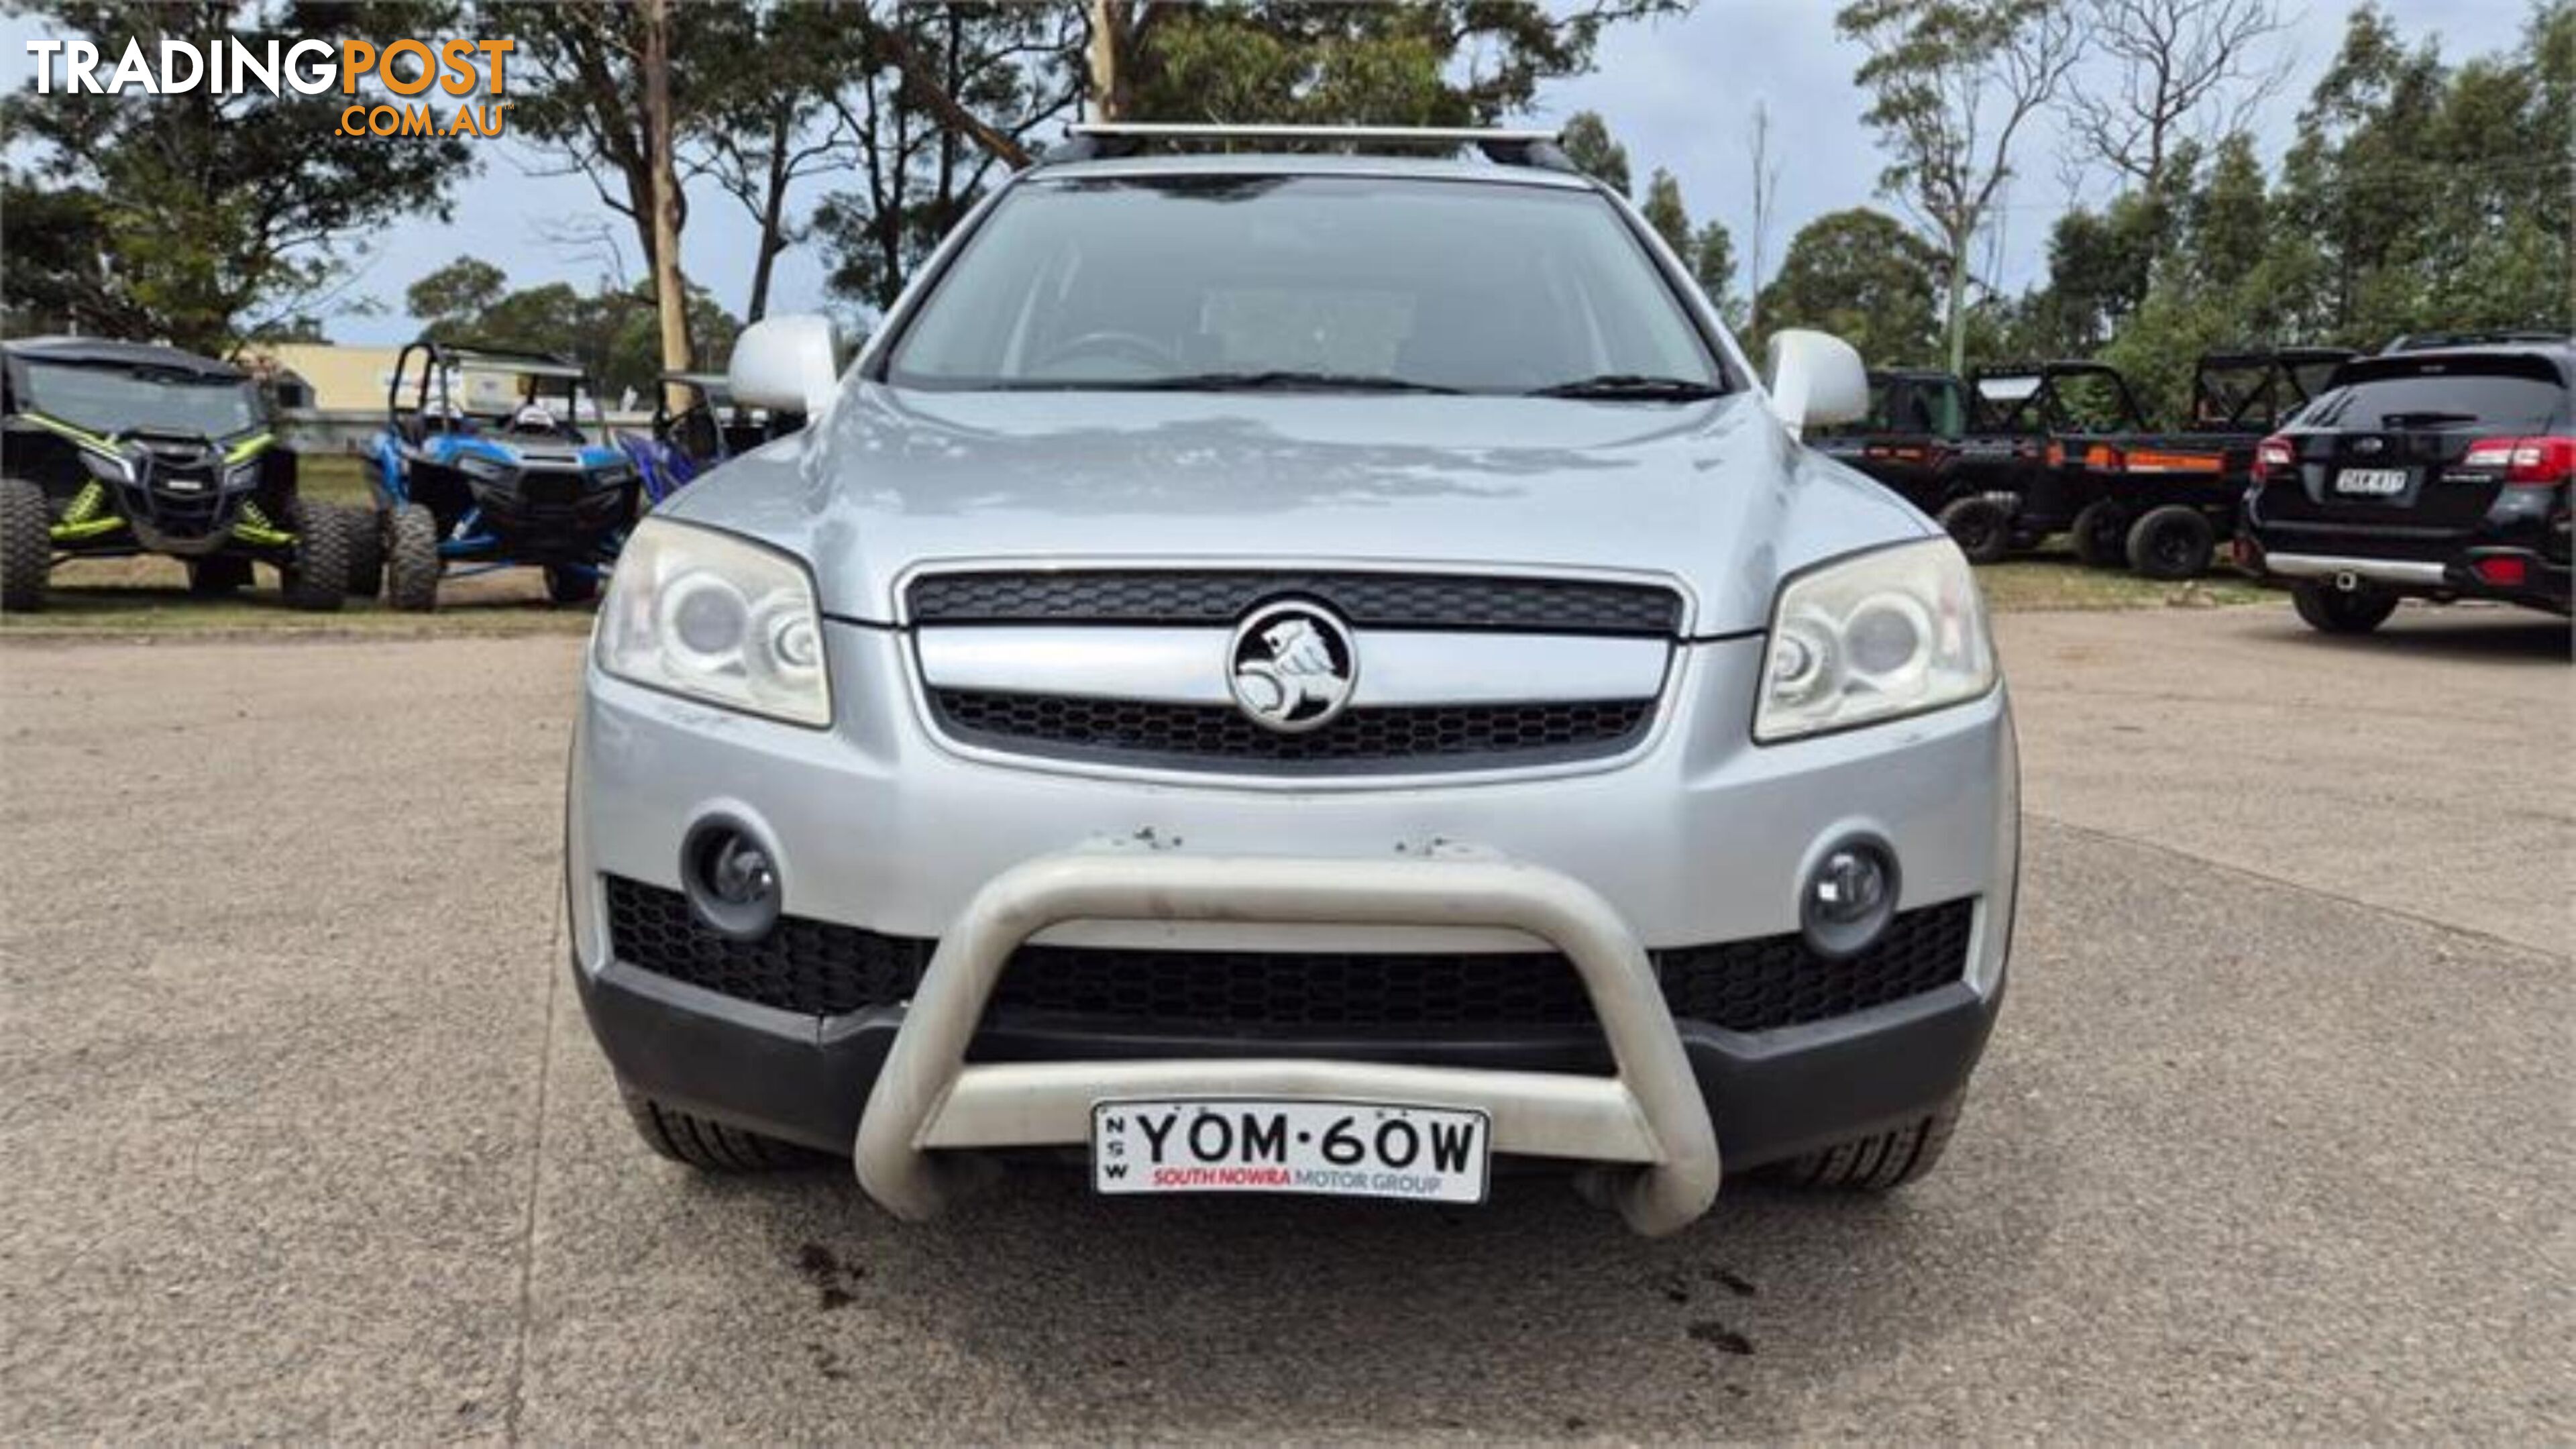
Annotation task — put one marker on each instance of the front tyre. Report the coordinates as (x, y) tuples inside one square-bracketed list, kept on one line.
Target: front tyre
[(366, 552), (411, 559), (1980, 526), (1880, 1162), (317, 580), (26, 545), (708, 1146), (2330, 610)]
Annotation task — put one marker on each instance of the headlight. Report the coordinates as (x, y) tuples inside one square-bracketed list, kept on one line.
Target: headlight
[(242, 475), (112, 467), (1884, 634), (716, 618), (484, 470)]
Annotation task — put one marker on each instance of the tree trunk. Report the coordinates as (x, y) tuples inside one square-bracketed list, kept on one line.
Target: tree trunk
[(670, 292), (1956, 325), (773, 219), (1100, 60)]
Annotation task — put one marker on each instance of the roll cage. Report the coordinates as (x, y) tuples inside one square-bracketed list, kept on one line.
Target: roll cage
[(437, 408)]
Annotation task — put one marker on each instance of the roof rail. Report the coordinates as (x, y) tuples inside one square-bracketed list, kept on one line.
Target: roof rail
[(2489, 336), (1094, 140)]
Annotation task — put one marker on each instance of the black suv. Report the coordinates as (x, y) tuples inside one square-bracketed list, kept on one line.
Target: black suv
[(2438, 469)]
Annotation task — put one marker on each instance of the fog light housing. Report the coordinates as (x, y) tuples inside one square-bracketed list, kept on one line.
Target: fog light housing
[(1849, 897), (730, 876)]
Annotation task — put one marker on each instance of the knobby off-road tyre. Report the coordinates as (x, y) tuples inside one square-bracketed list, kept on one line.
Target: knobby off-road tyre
[(685, 1137), (26, 545), (318, 579), (411, 559), (1980, 526), (1880, 1162), (571, 586), (366, 553), (2330, 610), (217, 576), (2172, 542), (2101, 534)]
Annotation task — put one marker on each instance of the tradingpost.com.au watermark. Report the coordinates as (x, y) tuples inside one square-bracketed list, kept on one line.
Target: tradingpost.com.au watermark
[(458, 68)]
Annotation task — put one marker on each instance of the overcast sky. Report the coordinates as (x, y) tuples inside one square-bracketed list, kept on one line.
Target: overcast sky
[(1678, 93)]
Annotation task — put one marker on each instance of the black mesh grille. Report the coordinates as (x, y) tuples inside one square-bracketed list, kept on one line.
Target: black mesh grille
[(1436, 737), (828, 970), (809, 966), (1220, 596)]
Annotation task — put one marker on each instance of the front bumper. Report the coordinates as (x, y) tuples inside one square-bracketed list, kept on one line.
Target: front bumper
[(1698, 837)]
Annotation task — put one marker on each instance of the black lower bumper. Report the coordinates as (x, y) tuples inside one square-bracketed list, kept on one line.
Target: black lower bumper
[(806, 1079)]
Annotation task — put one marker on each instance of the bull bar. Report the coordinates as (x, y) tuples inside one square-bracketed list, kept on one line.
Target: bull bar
[(1646, 1130)]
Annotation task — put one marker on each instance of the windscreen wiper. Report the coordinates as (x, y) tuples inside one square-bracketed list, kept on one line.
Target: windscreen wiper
[(1631, 387), (1277, 380)]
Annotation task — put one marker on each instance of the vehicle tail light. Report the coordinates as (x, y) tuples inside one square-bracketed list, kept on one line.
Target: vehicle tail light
[(2503, 571), (2102, 457), (2273, 452), (2057, 455), (2530, 462)]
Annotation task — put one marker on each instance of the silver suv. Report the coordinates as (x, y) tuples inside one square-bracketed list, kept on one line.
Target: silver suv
[(1295, 673)]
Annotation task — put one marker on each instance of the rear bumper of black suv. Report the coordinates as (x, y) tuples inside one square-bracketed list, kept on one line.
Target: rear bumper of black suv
[(2522, 564), (2507, 575)]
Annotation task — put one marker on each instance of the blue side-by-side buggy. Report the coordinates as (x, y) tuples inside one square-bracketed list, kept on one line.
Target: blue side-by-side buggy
[(484, 464), (708, 428)]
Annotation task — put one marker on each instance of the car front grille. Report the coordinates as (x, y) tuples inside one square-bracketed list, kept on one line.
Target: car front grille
[(1368, 600), (822, 969), (1201, 736)]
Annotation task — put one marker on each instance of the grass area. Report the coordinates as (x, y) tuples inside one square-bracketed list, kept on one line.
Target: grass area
[(2045, 583), (332, 478), (146, 597)]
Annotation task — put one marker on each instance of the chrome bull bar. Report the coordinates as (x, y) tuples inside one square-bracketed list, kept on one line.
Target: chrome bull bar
[(1648, 1125)]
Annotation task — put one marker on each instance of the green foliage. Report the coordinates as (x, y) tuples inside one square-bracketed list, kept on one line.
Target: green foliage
[(1588, 144), (613, 332), (1410, 64), (196, 217), (1663, 210), (1952, 82), (1013, 66), (2417, 197), (1711, 258), (1862, 276)]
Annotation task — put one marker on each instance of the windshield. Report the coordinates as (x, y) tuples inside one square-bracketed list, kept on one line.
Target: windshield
[(114, 399), (1175, 282)]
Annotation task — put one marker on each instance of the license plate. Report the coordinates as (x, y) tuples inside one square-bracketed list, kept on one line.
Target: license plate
[(2371, 482), (1335, 1149)]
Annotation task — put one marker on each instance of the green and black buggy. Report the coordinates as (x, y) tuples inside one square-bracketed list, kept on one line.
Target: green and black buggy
[(111, 449)]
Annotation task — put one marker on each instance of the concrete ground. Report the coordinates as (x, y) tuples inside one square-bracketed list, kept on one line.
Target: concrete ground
[(304, 1136)]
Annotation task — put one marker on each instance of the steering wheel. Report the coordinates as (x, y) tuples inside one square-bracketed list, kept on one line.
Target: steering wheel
[(1125, 346)]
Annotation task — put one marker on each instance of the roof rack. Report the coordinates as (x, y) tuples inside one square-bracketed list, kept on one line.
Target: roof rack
[(1095, 140)]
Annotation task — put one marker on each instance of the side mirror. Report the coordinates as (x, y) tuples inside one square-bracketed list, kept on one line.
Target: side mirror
[(785, 363), (1816, 378)]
